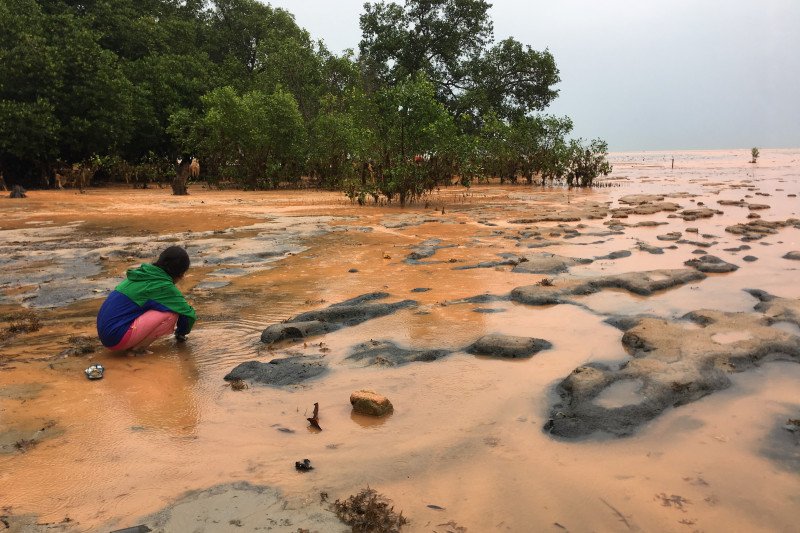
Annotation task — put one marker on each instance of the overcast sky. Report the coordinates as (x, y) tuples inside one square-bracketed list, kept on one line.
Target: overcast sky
[(645, 74)]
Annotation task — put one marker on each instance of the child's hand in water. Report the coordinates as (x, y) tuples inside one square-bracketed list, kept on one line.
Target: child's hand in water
[(180, 338)]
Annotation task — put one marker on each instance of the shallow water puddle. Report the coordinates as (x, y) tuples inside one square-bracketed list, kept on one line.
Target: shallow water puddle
[(728, 337), (788, 327), (624, 392)]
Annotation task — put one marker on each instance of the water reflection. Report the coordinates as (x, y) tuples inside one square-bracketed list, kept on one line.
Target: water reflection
[(158, 391), (370, 422)]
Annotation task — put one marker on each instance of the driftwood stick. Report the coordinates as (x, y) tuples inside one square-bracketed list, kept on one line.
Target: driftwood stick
[(314, 420), (619, 514)]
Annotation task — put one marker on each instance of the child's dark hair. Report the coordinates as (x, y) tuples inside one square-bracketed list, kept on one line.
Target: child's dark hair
[(174, 261)]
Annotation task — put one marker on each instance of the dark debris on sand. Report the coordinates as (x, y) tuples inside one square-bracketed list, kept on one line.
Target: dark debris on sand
[(81, 345), (368, 512), (16, 323)]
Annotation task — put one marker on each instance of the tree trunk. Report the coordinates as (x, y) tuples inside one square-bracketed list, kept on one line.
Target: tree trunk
[(179, 187)]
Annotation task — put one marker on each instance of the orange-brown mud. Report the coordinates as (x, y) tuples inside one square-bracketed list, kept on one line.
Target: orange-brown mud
[(465, 446)]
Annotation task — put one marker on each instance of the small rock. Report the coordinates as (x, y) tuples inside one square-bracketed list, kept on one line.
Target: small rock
[(367, 402), (794, 255), (303, 466), (749, 258), (353, 270)]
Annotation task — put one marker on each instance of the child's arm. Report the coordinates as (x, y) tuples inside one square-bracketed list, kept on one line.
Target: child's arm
[(173, 300)]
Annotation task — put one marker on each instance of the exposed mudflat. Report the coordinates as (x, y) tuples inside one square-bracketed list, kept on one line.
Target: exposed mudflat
[(619, 359)]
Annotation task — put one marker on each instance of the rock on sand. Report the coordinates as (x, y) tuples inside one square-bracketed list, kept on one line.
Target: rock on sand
[(367, 402)]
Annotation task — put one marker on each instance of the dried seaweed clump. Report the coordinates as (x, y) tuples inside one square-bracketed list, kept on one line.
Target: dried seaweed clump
[(21, 322), (80, 345), (369, 512)]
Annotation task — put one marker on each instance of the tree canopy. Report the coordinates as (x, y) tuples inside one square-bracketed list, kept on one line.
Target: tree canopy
[(428, 99)]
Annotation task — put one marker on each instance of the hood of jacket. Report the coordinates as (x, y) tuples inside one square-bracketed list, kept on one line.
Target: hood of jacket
[(148, 272)]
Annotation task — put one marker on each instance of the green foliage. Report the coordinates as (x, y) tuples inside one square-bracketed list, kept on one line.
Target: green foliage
[(255, 139), (121, 89), (754, 155), (450, 42), (30, 130), (586, 162), (414, 134), (339, 144)]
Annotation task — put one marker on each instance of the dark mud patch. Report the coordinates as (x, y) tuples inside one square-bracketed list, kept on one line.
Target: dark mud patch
[(619, 254), (387, 353), (672, 366), (24, 438), (690, 215), (293, 331), (775, 308), (711, 264), (280, 372), (425, 250), (699, 244), (671, 236), (759, 228), (546, 263), (649, 248), (237, 507), (480, 299), (782, 443), (642, 283), (507, 260), (30, 523), (21, 391), (340, 315), (508, 346)]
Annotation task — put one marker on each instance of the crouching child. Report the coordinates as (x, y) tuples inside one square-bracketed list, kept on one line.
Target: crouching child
[(147, 305)]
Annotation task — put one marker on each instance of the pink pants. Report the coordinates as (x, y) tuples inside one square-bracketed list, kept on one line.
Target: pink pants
[(147, 328)]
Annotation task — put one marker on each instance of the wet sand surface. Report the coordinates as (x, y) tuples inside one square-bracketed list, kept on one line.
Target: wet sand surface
[(466, 447)]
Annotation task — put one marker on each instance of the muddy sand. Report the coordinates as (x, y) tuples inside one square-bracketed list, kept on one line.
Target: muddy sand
[(617, 359)]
